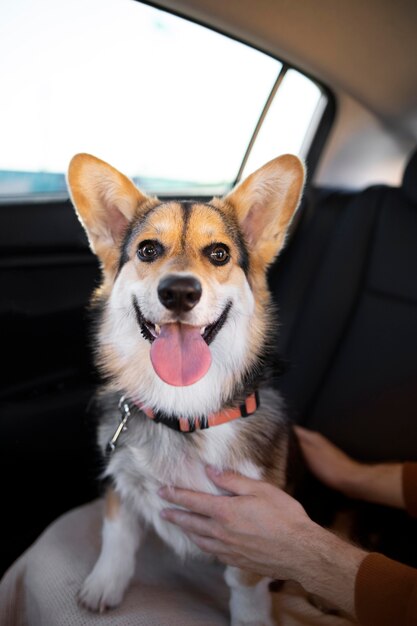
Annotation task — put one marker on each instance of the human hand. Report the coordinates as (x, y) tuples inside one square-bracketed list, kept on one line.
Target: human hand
[(259, 528), (380, 483), (263, 529), (328, 463)]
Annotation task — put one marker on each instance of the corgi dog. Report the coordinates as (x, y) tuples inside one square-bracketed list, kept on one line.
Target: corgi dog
[(183, 339)]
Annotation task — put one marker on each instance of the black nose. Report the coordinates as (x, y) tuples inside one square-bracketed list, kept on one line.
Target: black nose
[(179, 293)]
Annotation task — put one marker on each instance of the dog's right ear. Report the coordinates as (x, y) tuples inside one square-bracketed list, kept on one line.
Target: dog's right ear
[(105, 201), (265, 203)]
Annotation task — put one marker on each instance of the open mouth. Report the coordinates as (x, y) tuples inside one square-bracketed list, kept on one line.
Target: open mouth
[(151, 331), (180, 353)]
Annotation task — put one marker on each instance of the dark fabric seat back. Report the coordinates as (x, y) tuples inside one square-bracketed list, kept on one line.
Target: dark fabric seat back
[(350, 335)]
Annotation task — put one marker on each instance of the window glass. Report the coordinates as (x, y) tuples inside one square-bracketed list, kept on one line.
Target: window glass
[(290, 121), (170, 103)]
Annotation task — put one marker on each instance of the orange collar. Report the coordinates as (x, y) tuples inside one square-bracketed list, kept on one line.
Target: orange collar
[(187, 425), (180, 424)]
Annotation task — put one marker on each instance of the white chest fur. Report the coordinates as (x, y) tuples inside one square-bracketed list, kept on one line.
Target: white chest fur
[(152, 455)]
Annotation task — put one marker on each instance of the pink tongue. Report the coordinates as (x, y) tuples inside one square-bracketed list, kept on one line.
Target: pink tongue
[(179, 354)]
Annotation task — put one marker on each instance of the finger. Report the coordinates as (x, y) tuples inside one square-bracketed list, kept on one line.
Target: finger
[(314, 442), (216, 549), (304, 434), (232, 482), (209, 544), (191, 522), (195, 501), (301, 431)]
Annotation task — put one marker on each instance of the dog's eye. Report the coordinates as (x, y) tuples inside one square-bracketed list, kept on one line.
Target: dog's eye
[(218, 254), (149, 250)]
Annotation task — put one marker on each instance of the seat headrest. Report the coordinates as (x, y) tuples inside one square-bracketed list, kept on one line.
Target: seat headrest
[(409, 185)]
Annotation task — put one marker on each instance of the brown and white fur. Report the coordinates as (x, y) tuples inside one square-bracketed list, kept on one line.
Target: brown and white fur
[(250, 224)]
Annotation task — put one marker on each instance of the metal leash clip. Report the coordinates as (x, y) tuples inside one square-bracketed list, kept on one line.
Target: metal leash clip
[(125, 415)]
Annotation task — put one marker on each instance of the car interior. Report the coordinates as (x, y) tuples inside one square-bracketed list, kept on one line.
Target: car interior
[(345, 285)]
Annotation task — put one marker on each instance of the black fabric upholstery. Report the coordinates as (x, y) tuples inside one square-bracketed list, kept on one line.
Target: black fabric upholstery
[(327, 305), (299, 264), (368, 400), (47, 446), (346, 288), (351, 338)]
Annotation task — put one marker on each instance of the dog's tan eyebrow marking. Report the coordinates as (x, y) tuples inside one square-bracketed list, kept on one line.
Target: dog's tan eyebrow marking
[(233, 231), (134, 229), (160, 227)]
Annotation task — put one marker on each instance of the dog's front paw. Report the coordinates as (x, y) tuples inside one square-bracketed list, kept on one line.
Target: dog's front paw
[(101, 592)]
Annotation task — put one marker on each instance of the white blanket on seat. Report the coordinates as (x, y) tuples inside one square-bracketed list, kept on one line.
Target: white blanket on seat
[(40, 588)]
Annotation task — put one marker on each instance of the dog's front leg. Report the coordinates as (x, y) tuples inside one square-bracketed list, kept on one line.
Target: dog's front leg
[(250, 598), (107, 582)]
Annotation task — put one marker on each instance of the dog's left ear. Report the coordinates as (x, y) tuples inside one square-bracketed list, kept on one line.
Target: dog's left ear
[(105, 201), (265, 202)]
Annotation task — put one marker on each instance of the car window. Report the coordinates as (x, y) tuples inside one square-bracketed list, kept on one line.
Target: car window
[(173, 104), (289, 122)]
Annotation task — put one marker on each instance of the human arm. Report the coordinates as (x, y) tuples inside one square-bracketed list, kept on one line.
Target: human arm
[(263, 529), (381, 483), (385, 592)]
